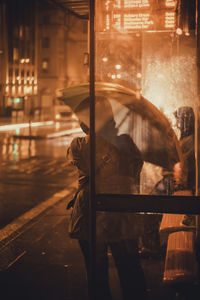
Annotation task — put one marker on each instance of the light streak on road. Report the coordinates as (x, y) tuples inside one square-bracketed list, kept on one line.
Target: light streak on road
[(9, 127)]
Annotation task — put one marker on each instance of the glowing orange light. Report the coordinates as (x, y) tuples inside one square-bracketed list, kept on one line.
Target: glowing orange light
[(24, 125), (179, 31), (139, 75), (117, 21), (118, 67), (107, 22), (136, 3), (35, 89), (105, 59), (117, 4), (13, 90), (170, 3), (170, 19), (137, 21)]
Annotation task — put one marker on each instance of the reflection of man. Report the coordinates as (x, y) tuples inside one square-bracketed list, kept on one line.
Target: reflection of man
[(118, 167), (184, 173)]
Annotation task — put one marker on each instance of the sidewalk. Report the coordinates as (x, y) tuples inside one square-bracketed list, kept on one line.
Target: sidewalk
[(41, 262), (38, 260)]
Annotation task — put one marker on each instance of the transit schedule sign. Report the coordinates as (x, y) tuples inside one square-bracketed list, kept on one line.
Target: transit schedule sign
[(137, 15)]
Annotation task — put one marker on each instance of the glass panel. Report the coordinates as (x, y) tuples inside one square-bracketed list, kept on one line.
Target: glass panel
[(145, 70)]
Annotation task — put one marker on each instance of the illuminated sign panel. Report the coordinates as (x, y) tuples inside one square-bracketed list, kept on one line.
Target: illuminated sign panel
[(137, 21), (135, 15), (136, 3)]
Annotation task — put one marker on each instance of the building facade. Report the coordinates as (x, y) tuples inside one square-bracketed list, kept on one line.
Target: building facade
[(18, 57), (62, 41), (41, 50)]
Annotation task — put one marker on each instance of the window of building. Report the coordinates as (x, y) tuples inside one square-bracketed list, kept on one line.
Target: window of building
[(45, 64), (21, 32), (45, 42), (15, 54)]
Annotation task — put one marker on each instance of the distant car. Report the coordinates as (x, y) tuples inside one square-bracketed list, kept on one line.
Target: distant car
[(63, 112)]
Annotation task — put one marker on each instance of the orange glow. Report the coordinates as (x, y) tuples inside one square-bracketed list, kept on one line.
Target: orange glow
[(107, 22), (138, 15), (170, 19), (170, 3), (24, 125), (57, 116), (137, 21), (13, 90), (105, 59), (20, 89), (136, 3), (118, 67), (179, 31), (35, 89), (117, 4), (117, 21)]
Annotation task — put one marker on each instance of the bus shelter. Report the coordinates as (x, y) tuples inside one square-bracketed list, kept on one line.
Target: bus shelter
[(144, 59)]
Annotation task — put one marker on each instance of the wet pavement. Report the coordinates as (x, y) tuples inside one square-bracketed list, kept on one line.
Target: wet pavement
[(31, 170), (38, 260), (42, 262)]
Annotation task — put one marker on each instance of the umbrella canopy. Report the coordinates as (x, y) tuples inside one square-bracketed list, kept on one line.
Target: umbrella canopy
[(148, 126)]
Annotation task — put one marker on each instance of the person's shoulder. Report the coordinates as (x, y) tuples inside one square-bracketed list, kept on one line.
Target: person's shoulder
[(78, 142), (125, 139)]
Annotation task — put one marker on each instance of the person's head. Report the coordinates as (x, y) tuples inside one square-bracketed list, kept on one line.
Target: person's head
[(185, 120), (104, 118)]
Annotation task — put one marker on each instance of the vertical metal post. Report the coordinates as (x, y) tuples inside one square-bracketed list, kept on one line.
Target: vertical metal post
[(92, 204), (197, 112)]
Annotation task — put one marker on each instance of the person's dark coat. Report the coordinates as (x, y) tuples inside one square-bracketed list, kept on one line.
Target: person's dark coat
[(118, 167)]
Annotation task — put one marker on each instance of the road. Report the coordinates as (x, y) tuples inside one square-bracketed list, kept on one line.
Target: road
[(32, 170)]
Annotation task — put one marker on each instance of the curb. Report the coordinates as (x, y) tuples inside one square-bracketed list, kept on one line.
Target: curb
[(18, 226)]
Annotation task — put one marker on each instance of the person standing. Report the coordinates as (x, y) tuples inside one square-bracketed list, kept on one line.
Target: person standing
[(118, 166)]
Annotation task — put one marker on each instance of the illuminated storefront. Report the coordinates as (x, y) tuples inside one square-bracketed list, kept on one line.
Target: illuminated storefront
[(19, 72)]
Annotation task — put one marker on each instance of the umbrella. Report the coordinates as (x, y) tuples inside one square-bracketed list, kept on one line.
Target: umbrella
[(147, 125)]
